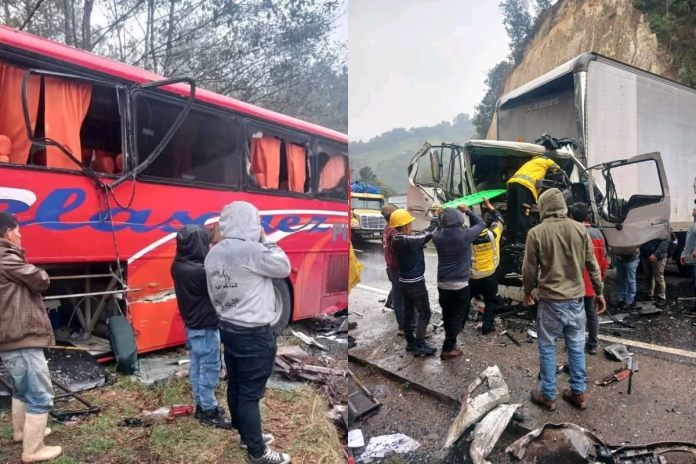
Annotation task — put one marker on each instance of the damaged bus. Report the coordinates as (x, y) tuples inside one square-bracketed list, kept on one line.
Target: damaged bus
[(102, 163)]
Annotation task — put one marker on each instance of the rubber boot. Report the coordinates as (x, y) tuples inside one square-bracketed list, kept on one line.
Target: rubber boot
[(19, 411), (33, 441)]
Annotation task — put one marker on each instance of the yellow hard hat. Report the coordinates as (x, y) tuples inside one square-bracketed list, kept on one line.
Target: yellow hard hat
[(400, 218)]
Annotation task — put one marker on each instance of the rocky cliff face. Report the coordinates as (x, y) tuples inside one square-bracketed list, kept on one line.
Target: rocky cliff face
[(613, 28)]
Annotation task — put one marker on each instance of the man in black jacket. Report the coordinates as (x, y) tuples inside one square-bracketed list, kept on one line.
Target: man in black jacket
[(408, 251), (201, 320), (453, 243)]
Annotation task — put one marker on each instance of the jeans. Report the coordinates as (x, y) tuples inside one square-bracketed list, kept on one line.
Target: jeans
[(592, 321), (415, 298), (556, 319), (249, 358), (398, 301), (204, 372), (486, 287), (655, 277), (30, 378), (455, 307), (626, 272)]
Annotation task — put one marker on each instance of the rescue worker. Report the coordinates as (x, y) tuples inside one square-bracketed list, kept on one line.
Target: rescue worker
[(25, 331), (408, 251), (395, 298), (485, 260), (556, 254), (653, 254), (578, 212), (240, 272), (201, 322), (688, 255), (453, 242), (523, 192)]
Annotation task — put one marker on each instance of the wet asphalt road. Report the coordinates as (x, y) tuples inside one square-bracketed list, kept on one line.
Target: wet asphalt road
[(661, 410)]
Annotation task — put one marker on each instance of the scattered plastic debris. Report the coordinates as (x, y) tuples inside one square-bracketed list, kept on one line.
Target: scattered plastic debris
[(385, 445), (355, 439), (488, 432)]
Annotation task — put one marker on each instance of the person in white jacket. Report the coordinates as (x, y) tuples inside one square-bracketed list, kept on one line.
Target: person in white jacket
[(240, 270), (688, 255)]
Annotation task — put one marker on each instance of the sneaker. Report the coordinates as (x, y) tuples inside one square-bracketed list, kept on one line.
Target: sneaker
[(269, 457), (267, 440), (487, 331), (423, 349), (620, 306), (215, 418), (591, 349), (411, 346), (400, 332), (577, 400), (659, 301), (445, 355), (540, 399), (197, 413)]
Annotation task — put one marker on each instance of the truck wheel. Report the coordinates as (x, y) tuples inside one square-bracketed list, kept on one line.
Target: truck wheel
[(283, 306)]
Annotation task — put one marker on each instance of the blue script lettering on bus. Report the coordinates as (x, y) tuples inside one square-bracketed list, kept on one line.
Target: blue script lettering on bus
[(50, 214)]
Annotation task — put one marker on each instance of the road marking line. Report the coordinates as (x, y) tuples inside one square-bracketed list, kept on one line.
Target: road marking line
[(648, 346), (379, 291)]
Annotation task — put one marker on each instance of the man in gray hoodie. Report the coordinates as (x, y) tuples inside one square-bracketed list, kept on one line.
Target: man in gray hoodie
[(453, 244), (240, 271)]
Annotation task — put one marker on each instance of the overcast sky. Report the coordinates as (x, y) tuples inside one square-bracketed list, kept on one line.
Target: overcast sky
[(415, 63)]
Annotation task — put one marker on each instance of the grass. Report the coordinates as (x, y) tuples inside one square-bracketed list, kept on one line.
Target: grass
[(297, 419)]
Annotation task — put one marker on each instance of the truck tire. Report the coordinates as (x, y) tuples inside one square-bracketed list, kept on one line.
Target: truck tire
[(283, 306)]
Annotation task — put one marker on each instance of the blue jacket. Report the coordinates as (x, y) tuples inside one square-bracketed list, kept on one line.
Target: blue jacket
[(453, 243)]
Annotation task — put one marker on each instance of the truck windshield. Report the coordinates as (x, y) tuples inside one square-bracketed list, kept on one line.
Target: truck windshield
[(364, 203)]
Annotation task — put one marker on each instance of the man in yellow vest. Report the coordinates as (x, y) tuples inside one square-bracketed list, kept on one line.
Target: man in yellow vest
[(485, 258), (522, 193)]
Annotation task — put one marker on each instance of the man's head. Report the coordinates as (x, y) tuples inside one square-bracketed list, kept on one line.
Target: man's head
[(401, 220), (240, 220), (578, 212), (9, 228), (387, 210), (552, 204)]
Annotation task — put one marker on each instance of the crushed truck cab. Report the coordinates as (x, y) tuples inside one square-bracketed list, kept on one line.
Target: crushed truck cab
[(630, 203)]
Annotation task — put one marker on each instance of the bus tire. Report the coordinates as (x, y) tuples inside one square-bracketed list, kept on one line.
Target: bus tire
[(283, 306)]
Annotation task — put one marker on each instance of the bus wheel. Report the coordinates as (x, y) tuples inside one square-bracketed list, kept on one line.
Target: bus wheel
[(283, 306)]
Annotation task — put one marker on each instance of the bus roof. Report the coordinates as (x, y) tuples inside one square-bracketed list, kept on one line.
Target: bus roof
[(34, 44)]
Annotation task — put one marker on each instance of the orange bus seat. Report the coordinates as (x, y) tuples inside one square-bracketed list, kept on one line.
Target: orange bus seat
[(119, 163), (5, 149)]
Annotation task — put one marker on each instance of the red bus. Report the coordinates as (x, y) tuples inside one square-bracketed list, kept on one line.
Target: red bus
[(102, 163)]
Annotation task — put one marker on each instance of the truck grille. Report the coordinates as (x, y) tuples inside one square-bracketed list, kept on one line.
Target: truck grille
[(372, 222)]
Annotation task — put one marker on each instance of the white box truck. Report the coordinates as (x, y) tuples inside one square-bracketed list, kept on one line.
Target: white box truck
[(613, 111)]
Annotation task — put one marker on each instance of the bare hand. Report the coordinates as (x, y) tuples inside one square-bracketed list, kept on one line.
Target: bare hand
[(682, 260), (488, 205), (652, 258), (601, 304), (463, 208), (529, 300), (437, 211)]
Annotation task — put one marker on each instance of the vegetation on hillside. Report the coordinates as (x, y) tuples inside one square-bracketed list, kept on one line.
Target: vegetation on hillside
[(389, 153), (279, 54), (519, 24), (673, 21)]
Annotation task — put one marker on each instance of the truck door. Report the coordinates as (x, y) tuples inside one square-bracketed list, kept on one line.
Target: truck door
[(634, 206), (436, 175)]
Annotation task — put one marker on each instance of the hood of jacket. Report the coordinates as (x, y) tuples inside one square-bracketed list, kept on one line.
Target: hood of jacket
[(240, 220), (552, 204), (192, 243), (451, 217)]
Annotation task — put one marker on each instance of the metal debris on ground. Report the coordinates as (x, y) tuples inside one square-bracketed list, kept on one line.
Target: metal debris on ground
[(617, 352), (487, 432), (291, 362), (473, 408), (509, 335), (158, 416), (307, 340), (361, 402), (570, 443), (355, 439), (617, 376), (380, 447)]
